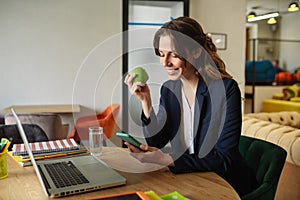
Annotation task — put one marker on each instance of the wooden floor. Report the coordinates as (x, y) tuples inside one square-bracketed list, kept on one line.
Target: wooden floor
[(289, 183)]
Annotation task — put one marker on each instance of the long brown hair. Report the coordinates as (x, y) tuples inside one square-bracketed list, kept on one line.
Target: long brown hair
[(182, 30)]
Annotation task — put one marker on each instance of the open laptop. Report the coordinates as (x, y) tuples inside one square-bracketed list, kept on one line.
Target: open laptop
[(93, 173)]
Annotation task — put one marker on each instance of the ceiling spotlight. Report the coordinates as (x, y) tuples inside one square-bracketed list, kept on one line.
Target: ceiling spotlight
[(261, 17), (294, 6), (251, 15), (272, 20)]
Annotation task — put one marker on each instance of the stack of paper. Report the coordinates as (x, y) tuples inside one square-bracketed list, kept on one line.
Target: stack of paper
[(47, 150)]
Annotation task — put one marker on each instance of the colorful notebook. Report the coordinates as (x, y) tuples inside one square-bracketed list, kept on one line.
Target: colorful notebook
[(24, 160), (46, 147)]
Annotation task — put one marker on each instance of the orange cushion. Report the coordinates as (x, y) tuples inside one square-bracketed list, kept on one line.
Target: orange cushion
[(285, 78)]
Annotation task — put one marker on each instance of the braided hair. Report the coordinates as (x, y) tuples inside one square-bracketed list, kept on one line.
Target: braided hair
[(187, 34)]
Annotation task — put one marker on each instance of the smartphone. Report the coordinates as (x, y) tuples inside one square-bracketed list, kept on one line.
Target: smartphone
[(128, 138)]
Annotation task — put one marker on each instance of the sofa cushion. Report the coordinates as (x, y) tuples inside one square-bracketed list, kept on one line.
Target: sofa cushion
[(283, 118), (50, 123), (264, 72), (33, 132)]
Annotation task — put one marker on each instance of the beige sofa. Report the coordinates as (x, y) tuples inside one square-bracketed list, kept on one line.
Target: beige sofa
[(281, 128)]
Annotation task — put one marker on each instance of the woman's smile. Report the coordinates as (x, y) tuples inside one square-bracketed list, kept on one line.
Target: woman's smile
[(172, 71)]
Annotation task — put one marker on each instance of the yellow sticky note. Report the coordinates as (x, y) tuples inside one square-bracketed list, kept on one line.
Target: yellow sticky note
[(152, 195)]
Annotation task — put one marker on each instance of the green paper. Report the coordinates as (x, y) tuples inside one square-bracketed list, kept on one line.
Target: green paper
[(173, 196)]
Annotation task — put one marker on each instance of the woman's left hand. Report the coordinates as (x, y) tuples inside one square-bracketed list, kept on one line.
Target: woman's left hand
[(148, 154)]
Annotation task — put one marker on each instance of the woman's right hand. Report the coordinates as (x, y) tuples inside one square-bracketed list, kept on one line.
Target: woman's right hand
[(138, 89), (141, 91), (149, 154)]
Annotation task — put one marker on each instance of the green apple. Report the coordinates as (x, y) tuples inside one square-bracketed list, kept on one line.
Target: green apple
[(141, 75)]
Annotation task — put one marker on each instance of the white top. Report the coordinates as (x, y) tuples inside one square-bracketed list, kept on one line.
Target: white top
[(188, 123)]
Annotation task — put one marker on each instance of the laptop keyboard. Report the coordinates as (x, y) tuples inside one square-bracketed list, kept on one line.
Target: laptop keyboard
[(65, 174)]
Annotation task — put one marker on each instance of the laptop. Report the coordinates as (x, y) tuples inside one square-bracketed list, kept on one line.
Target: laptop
[(55, 175)]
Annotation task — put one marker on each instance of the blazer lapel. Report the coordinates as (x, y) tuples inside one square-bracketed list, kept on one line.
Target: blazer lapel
[(200, 94)]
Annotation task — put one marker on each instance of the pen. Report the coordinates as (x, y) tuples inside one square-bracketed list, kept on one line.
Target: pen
[(57, 155), (5, 148), (4, 145)]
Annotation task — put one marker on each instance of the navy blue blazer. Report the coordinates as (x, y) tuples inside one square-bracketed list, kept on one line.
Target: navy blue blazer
[(217, 129)]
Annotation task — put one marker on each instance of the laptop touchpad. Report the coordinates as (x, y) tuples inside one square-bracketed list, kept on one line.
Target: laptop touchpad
[(94, 166)]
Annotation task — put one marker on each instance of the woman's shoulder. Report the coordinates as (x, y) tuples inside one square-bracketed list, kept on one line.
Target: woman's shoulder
[(231, 85), (170, 88), (170, 84), (229, 82), (173, 85)]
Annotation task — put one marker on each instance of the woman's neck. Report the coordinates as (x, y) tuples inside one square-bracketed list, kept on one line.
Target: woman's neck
[(190, 82), (189, 86)]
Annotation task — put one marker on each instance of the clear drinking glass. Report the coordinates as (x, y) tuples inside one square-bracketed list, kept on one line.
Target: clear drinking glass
[(96, 140)]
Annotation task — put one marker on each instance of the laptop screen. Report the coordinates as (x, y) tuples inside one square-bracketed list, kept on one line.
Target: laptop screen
[(26, 143)]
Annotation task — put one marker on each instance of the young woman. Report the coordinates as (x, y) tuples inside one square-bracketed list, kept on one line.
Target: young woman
[(200, 108)]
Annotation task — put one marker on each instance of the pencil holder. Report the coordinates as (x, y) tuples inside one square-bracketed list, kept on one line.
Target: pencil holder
[(3, 165)]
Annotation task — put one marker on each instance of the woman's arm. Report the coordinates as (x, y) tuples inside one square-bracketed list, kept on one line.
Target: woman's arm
[(159, 128)]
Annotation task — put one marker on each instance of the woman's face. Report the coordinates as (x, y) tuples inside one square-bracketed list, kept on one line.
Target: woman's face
[(169, 59)]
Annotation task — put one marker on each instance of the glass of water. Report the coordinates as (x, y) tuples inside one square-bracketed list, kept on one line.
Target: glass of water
[(96, 140)]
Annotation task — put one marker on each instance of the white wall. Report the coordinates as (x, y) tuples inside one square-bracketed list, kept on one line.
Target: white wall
[(44, 43), (225, 17)]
